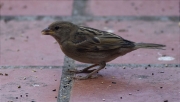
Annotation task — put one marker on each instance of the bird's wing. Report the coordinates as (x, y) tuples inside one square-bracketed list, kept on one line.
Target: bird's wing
[(89, 39)]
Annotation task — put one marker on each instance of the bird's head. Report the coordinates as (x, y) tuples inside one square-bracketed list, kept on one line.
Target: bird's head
[(60, 30)]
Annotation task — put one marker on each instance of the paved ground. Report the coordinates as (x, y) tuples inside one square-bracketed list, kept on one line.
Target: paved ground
[(33, 68)]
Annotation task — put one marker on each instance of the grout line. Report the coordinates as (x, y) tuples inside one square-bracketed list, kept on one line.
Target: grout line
[(85, 65), (137, 65), (26, 67), (85, 17), (66, 82), (79, 8)]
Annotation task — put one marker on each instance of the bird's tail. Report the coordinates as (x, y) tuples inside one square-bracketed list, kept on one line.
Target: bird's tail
[(149, 46)]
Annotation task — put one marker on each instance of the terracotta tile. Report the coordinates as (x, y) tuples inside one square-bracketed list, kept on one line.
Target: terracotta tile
[(133, 8), (138, 84), (36, 7), (27, 85), (23, 44)]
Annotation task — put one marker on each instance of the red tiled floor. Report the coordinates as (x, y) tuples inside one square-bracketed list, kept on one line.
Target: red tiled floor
[(144, 31), (36, 7), (133, 7), (27, 85), (23, 44), (127, 85)]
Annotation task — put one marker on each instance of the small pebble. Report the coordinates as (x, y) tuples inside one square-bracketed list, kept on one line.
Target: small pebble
[(33, 70), (122, 30), (103, 99), (54, 90), (19, 86), (165, 100), (120, 97), (12, 38), (130, 93), (161, 87), (161, 72), (152, 73), (113, 82), (6, 74), (166, 65), (102, 82), (1, 73)]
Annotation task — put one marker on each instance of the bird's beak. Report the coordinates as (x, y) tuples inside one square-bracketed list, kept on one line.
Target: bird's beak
[(47, 31)]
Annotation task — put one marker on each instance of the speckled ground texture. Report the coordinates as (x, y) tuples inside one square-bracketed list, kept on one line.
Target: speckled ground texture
[(34, 69)]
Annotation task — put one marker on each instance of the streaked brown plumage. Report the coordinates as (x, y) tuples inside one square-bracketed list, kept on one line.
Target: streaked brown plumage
[(89, 45)]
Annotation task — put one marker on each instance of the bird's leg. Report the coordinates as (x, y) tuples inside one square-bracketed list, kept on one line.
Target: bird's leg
[(101, 66), (85, 70)]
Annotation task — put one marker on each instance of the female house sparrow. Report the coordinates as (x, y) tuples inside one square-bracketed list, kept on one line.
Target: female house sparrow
[(89, 45)]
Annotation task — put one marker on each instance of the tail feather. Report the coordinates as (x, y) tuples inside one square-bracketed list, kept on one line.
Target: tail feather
[(149, 45)]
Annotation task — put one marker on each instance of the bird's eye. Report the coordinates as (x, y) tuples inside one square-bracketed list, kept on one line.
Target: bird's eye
[(57, 27)]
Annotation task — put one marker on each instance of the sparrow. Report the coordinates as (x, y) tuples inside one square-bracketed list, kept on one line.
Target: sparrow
[(93, 46)]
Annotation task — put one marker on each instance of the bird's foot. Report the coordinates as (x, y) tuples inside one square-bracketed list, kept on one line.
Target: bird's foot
[(81, 71), (84, 78)]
